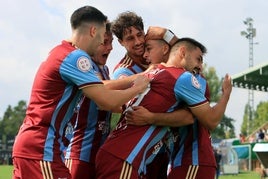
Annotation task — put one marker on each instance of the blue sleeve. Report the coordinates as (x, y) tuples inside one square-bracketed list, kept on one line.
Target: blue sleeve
[(77, 68), (119, 72), (190, 89)]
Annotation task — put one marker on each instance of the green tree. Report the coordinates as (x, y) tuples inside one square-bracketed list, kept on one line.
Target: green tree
[(225, 129), (261, 115), (213, 82), (245, 128), (12, 120), (259, 118)]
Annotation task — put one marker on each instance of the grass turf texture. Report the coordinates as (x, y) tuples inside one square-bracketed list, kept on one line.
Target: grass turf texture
[(6, 173)]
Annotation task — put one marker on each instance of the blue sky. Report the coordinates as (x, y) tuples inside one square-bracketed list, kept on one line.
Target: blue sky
[(29, 29)]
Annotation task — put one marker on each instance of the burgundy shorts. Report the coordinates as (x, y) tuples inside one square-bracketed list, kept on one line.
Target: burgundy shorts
[(110, 167), (31, 168), (80, 169), (192, 172)]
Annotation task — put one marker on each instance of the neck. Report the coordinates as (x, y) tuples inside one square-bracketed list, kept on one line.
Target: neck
[(77, 40), (171, 65), (73, 42)]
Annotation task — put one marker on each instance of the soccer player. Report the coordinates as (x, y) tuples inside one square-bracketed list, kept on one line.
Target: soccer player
[(158, 41), (91, 125), (192, 151), (58, 86), (129, 29), (172, 84)]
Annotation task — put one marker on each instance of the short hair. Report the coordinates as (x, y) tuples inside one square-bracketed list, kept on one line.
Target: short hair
[(86, 14), (124, 21), (108, 28), (191, 44)]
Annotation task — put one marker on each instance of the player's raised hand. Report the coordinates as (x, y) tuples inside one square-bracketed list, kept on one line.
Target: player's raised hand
[(227, 85)]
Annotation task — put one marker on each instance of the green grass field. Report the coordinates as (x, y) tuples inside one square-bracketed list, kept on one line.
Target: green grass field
[(242, 175), (6, 173)]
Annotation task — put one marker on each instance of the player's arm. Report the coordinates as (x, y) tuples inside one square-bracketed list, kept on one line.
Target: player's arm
[(122, 83), (209, 116), (141, 116), (107, 99), (124, 78)]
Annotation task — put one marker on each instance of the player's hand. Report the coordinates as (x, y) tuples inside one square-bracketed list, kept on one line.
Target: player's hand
[(138, 116), (141, 82), (227, 85)]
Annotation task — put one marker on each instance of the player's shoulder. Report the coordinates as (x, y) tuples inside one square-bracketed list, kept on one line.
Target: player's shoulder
[(190, 78), (120, 73), (126, 62)]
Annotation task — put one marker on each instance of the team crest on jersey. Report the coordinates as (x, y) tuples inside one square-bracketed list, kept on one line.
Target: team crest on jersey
[(195, 82), (83, 64)]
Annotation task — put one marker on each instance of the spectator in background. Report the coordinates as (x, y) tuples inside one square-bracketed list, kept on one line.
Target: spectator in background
[(261, 136), (241, 138), (251, 139)]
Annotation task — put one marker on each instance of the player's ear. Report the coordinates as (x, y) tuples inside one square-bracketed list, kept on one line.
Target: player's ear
[(166, 49), (182, 51), (92, 31)]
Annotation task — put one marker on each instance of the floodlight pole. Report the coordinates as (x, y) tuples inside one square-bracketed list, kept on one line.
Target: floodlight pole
[(250, 33)]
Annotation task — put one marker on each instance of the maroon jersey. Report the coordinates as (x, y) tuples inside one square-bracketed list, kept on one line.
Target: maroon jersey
[(128, 67), (138, 145)]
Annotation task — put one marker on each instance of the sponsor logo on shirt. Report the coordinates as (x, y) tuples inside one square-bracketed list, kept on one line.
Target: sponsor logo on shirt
[(104, 127), (157, 147)]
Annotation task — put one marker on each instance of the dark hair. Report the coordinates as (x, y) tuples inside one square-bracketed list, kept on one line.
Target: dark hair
[(192, 44), (108, 27), (87, 14), (124, 21)]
